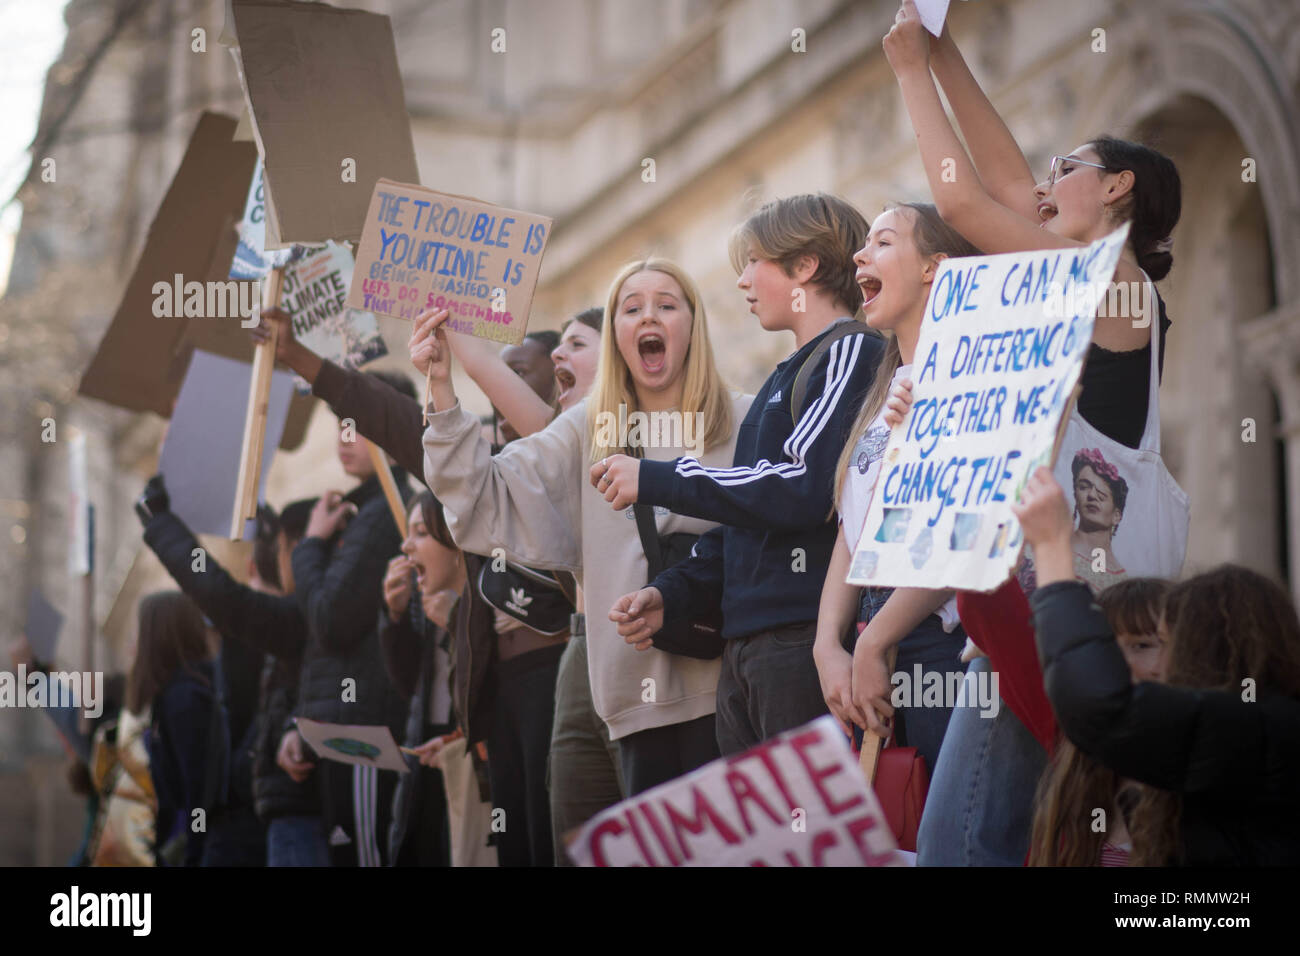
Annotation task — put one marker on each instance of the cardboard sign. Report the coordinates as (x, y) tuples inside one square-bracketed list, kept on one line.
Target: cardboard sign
[(252, 260), (423, 249), (932, 13), (328, 113), (42, 629), (1002, 345), (314, 293), (359, 744), (796, 800), (200, 455), (140, 360)]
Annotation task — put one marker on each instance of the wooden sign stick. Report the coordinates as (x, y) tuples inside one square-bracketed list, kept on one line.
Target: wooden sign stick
[(259, 398), (389, 485), (871, 744)]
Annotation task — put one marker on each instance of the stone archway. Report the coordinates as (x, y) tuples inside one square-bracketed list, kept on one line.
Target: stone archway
[(1209, 94)]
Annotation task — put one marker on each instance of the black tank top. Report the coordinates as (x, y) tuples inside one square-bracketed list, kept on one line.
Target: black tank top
[(1116, 386)]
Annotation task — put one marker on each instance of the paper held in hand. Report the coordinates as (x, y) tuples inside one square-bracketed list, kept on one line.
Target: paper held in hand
[(1001, 348), (932, 13), (361, 744), (422, 249)]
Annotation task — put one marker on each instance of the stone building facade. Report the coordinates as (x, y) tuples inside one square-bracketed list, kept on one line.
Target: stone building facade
[(716, 99)]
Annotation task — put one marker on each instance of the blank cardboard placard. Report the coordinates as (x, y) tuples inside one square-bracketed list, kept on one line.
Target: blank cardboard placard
[(43, 625), (139, 363), (326, 100), (360, 744), (200, 456), (422, 249)]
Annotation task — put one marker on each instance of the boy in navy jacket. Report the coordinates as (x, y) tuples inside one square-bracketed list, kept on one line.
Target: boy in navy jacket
[(769, 555)]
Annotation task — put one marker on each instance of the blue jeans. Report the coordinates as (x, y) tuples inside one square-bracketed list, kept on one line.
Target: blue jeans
[(936, 651), (981, 802), (296, 841)]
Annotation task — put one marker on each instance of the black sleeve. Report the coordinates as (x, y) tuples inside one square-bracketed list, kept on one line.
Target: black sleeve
[(340, 593), (1191, 741), (399, 644), (383, 414), (270, 623)]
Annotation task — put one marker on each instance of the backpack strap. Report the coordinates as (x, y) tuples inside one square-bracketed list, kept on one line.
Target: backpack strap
[(649, 532), (837, 331)]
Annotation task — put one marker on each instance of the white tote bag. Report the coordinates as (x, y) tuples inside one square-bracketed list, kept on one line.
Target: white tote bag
[(1148, 535)]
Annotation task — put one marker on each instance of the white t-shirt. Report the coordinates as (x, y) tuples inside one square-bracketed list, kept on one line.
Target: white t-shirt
[(860, 482)]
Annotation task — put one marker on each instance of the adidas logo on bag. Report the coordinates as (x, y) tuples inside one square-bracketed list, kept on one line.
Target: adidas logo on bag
[(775, 398), (519, 601)]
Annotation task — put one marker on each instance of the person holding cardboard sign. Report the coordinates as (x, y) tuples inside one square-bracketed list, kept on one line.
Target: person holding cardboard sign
[(896, 268), (993, 199)]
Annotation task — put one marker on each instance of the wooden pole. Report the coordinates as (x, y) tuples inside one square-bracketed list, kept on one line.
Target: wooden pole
[(389, 485), (88, 611), (259, 398), (869, 756)]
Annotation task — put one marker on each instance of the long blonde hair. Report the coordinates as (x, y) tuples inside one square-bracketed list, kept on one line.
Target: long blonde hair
[(932, 237), (703, 390)]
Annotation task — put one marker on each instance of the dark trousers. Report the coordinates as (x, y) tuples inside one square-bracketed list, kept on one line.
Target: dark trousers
[(655, 756), (768, 685), (238, 838), (356, 810), (420, 829), (518, 745)]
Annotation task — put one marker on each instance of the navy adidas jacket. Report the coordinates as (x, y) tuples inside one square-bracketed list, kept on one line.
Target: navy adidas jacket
[(775, 509)]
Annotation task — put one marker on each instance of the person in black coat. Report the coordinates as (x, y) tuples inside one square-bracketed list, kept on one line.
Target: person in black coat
[(338, 570), (263, 635), (1217, 746)]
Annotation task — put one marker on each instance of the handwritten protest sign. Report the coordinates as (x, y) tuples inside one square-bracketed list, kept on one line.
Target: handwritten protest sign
[(422, 249), (796, 800), (360, 744), (1002, 345), (314, 294)]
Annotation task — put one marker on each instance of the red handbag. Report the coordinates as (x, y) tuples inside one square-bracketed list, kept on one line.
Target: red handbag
[(899, 778)]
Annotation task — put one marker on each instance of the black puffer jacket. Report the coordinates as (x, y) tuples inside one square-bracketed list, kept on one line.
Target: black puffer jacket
[(339, 587), (1236, 763), (268, 626)]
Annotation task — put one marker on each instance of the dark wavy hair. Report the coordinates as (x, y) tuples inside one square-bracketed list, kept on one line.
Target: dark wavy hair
[(1154, 204), (1225, 626)]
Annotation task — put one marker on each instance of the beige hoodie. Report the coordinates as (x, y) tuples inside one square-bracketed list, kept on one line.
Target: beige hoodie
[(534, 501)]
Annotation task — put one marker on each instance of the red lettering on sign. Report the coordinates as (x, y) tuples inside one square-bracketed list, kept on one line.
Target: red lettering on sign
[(818, 774), (857, 830), (742, 790), (696, 825)]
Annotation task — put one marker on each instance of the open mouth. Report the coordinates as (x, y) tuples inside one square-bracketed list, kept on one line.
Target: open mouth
[(564, 378), (653, 351), (1046, 212), (870, 287)]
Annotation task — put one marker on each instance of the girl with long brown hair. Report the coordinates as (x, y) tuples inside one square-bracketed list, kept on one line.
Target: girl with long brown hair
[(1217, 746)]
